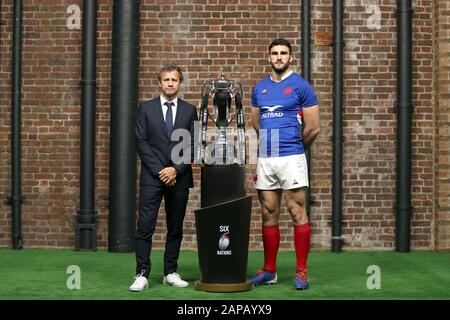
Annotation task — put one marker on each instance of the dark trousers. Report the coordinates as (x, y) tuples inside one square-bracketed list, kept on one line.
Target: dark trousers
[(150, 198)]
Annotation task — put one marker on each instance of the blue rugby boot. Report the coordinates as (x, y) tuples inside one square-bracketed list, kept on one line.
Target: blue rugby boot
[(301, 280), (264, 277)]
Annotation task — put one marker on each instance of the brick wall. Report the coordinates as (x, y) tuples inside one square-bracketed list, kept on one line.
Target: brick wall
[(5, 94), (442, 131), (206, 38)]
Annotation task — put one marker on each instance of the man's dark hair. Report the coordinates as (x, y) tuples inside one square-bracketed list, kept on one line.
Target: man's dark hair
[(281, 42), (169, 68)]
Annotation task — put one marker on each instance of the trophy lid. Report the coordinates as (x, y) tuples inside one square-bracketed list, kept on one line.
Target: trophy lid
[(222, 82)]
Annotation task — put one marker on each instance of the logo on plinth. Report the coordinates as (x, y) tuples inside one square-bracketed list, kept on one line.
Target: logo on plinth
[(224, 241)]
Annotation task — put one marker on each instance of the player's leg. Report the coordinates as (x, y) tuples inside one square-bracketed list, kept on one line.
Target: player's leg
[(270, 204), (293, 172), (295, 200)]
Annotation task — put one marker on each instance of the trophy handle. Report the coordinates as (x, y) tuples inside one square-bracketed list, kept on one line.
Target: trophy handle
[(204, 125), (240, 128)]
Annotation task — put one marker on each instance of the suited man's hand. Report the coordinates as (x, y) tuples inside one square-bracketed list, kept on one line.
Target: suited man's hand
[(168, 176), (171, 183)]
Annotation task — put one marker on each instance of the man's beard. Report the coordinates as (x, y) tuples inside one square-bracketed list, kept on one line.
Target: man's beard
[(282, 69)]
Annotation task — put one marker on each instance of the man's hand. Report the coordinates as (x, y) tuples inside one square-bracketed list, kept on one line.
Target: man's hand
[(172, 183), (168, 176)]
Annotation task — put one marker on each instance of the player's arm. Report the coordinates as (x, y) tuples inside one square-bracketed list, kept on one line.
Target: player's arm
[(255, 119), (311, 119)]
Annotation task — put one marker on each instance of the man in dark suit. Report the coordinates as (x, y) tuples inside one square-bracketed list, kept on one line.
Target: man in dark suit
[(165, 172)]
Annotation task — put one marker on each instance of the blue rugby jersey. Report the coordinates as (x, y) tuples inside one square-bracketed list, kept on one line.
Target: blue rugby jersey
[(281, 104)]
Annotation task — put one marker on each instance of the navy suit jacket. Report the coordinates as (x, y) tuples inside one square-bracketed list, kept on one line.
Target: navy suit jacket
[(154, 145)]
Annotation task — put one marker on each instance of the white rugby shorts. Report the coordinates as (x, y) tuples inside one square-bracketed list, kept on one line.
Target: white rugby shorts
[(288, 172)]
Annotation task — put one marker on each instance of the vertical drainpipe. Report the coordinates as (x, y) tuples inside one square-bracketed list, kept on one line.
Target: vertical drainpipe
[(1, 21), (16, 104), (124, 95), (306, 74), (404, 110), (86, 229), (338, 44)]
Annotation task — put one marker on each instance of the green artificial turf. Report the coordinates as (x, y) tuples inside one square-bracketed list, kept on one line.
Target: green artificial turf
[(42, 274)]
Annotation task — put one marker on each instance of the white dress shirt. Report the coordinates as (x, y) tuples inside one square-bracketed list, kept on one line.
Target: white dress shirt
[(164, 107)]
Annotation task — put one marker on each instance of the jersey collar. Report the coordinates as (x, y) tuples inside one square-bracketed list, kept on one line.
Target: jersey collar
[(286, 75)]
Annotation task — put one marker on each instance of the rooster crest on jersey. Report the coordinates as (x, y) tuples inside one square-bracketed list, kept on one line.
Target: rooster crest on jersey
[(288, 90)]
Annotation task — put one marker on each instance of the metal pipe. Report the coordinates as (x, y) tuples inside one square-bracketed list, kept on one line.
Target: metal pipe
[(16, 104), (124, 91), (86, 230), (1, 21), (306, 40), (404, 110), (306, 74), (338, 45)]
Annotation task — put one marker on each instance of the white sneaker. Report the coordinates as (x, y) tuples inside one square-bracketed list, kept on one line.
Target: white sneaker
[(175, 280), (139, 284)]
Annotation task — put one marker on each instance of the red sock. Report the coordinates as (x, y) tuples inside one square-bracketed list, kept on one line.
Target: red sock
[(302, 237), (271, 241)]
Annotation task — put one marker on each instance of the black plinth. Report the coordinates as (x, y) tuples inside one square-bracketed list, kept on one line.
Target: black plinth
[(221, 183), (223, 227)]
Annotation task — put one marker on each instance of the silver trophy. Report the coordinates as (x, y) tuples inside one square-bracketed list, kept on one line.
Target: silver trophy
[(222, 150)]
